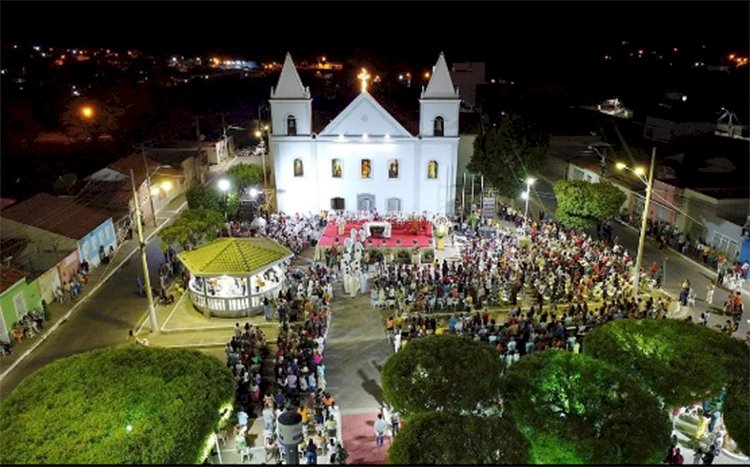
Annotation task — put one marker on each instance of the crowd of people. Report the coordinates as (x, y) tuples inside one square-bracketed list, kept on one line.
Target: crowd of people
[(552, 265), (299, 371), (295, 232)]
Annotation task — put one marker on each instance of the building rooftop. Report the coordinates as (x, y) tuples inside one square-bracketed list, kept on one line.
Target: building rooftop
[(234, 256), (9, 276), (61, 216)]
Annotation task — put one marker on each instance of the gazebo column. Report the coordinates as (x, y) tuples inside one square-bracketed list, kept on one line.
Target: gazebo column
[(206, 309)]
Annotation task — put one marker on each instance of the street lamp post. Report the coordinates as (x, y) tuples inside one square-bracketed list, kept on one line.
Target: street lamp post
[(224, 187), (639, 171), (142, 245)]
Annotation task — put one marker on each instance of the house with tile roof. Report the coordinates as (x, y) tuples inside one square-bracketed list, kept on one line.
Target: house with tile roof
[(64, 224), (17, 297)]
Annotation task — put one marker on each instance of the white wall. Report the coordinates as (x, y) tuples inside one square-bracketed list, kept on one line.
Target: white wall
[(313, 191), (446, 108)]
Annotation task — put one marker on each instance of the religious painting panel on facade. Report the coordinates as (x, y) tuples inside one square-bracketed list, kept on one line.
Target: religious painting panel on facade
[(299, 170), (393, 168), (336, 169), (432, 170), (366, 168)]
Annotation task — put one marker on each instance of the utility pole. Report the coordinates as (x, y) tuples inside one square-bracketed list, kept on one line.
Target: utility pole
[(142, 245), (148, 184), (642, 238)]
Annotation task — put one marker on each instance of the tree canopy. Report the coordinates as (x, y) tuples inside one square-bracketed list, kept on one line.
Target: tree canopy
[(662, 353), (737, 413), (128, 405), (582, 204), (441, 373), (203, 197), (574, 409), (508, 153), (452, 439), (194, 227), (243, 176)]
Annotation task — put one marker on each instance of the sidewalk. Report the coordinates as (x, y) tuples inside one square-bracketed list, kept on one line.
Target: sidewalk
[(60, 312)]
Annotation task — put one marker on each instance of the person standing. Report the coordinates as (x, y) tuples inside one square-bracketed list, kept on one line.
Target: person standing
[(311, 453), (395, 422), (710, 288), (380, 427), (708, 457), (698, 456), (678, 459)]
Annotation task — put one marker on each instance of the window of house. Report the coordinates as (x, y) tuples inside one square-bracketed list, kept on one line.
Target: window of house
[(19, 302), (437, 126), (291, 126), (366, 168), (337, 204)]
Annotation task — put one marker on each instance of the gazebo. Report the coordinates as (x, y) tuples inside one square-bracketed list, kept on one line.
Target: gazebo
[(230, 276)]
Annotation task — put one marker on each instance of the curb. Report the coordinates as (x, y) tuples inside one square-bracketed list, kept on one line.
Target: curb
[(83, 300)]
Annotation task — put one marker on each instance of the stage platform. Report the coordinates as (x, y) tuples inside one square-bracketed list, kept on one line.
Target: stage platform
[(400, 230)]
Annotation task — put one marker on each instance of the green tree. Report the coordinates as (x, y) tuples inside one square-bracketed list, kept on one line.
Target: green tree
[(243, 176), (582, 204), (452, 439), (737, 413), (441, 373), (678, 361), (507, 154), (203, 197), (127, 405), (194, 227), (574, 409)]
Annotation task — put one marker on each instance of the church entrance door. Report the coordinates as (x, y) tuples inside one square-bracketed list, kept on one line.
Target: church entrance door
[(366, 202)]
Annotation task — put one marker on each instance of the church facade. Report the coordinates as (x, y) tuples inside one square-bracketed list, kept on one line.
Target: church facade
[(364, 159)]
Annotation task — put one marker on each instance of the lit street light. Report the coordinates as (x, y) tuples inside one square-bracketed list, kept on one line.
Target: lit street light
[(253, 193), (87, 112), (224, 185), (529, 181), (639, 172)]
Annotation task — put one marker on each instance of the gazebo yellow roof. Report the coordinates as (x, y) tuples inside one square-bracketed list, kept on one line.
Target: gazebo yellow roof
[(234, 256)]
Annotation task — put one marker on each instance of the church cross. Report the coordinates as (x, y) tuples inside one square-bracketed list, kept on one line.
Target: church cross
[(364, 76)]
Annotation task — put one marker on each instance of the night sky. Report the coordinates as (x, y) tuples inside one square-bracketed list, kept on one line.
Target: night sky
[(539, 35)]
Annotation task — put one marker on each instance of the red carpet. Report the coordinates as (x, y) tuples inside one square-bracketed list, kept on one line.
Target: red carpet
[(359, 440), (399, 231)]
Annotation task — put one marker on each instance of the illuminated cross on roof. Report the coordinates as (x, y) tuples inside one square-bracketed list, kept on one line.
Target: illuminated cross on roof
[(364, 76)]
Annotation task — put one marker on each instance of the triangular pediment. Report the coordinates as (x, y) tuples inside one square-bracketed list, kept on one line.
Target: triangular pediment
[(364, 115)]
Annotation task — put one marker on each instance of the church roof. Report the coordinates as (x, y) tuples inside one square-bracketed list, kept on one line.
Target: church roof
[(289, 85), (364, 108), (440, 85), (234, 256)]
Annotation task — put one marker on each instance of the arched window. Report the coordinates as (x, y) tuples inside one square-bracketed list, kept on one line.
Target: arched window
[(432, 170), (291, 126), (299, 168), (437, 126), (393, 204)]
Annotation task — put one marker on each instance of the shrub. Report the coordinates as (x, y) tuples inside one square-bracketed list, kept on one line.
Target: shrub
[(431, 438), (77, 410)]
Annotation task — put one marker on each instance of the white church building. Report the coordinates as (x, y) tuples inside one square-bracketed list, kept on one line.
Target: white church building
[(364, 159)]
